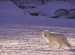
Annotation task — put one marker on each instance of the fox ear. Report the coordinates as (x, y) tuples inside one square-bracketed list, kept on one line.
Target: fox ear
[(48, 31)]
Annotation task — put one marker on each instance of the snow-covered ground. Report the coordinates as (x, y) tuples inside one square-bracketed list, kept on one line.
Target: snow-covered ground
[(22, 34), (28, 40)]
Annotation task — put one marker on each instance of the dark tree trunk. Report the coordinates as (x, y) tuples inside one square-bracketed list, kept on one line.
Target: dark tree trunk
[(22, 2), (42, 1), (26, 1)]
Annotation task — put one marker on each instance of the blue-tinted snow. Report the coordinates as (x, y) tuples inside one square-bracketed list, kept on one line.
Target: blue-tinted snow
[(22, 34)]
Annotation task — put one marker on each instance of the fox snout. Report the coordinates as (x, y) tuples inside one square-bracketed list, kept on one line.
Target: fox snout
[(45, 35)]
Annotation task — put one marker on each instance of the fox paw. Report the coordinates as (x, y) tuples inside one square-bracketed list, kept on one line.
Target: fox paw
[(50, 47)]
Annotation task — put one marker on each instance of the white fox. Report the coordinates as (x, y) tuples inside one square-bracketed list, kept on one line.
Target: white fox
[(56, 37)]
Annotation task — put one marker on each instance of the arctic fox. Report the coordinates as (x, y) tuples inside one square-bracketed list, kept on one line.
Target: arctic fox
[(59, 13), (56, 37)]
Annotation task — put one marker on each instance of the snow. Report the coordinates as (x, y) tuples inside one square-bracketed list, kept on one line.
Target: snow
[(50, 8), (32, 3), (71, 1), (72, 13), (22, 34), (28, 40), (7, 8)]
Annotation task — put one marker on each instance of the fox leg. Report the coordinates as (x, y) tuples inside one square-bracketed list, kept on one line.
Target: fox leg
[(61, 44), (50, 44)]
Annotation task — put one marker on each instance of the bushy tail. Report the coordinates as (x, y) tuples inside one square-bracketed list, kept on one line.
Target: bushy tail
[(65, 42)]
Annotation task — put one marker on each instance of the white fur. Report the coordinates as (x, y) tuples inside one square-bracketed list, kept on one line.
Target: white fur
[(56, 37)]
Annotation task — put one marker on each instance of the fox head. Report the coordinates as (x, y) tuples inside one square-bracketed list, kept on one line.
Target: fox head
[(45, 33)]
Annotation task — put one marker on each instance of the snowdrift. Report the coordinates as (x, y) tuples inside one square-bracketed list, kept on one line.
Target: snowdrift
[(13, 16), (55, 5), (38, 21), (50, 8), (7, 8), (7, 5)]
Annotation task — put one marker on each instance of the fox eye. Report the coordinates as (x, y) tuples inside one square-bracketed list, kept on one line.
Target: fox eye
[(45, 35)]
